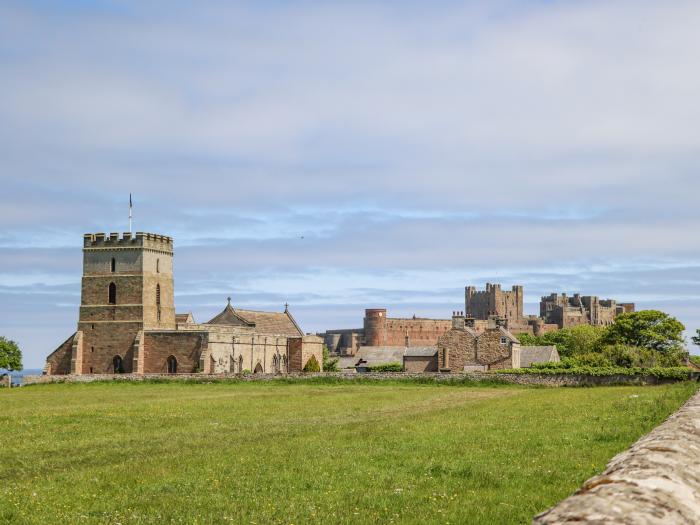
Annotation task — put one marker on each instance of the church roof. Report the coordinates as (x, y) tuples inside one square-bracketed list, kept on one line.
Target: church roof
[(271, 323)]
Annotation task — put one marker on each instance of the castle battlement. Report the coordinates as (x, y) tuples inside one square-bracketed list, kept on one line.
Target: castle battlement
[(128, 240)]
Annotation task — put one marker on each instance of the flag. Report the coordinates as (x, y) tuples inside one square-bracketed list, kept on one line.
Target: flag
[(129, 200)]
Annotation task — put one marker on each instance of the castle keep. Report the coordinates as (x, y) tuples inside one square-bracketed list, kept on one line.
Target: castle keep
[(127, 321)]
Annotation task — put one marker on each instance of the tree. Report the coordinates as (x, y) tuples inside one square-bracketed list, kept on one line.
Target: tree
[(696, 338), (329, 364), (312, 365), (650, 329), (10, 355)]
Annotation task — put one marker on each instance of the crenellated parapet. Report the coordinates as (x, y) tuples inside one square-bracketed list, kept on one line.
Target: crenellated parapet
[(126, 240)]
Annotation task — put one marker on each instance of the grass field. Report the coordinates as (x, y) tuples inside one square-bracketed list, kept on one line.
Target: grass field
[(309, 453)]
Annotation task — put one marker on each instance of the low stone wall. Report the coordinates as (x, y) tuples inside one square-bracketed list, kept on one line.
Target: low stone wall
[(656, 481), (517, 379)]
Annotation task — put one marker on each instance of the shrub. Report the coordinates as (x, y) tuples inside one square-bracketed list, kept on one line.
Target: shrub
[(678, 372), (312, 365), (387, 367), (329, 364), (246, 371)]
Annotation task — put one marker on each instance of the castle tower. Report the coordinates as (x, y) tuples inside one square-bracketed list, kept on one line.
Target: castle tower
[(127, 287), (375, 327)]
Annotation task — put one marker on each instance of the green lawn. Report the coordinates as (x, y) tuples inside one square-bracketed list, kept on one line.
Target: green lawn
[(309, 453)]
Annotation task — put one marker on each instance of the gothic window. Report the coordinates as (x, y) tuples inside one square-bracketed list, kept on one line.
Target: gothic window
[(113, 265), (112, 293), (172, 365), (118, 365)]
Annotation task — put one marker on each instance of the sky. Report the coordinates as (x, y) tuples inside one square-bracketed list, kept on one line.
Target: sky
[(346, 155)]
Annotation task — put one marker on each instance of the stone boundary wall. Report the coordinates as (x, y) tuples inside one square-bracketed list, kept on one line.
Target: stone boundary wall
[(517, 379), (656, 481)]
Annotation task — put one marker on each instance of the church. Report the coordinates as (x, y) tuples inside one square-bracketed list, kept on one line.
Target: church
[(127, 321)]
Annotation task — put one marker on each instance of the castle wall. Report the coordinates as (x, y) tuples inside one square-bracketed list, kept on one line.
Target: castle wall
[(420, 332)]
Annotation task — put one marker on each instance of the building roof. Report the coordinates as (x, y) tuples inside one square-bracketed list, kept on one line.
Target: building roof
[(507, 334), (379, 355), (271, 323), (420, 351), (537, 354), (184, 318)]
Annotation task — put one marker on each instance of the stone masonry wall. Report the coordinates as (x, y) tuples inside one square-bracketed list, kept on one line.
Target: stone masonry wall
[(59, 360), (186, 347), (456, 349), (655, 482), (517, 379), (420, 364), (491, 352), (421, 332)]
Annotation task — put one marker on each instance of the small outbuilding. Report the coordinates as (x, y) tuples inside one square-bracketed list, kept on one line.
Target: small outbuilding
[(420, 359)]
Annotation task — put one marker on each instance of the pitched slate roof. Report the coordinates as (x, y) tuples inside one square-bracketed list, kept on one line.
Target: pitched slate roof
[(379, 355), (420, 351), (507, 334), (270, 323), (537, 354)]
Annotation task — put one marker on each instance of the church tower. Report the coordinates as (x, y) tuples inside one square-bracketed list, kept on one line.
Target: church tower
[(127, 287)]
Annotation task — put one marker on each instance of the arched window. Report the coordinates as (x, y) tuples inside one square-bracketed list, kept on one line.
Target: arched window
[(157, 265), (113, 265), (258, 369), (112, 293), (158, 295), (172, 365), (118, 365), (240, 364)]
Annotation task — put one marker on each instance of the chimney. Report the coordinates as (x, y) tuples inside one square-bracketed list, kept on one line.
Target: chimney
[(458, 320)]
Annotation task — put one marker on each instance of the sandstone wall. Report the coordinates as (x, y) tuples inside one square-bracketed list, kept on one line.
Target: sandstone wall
[(58, 362), (186, 347), (420, 364), (655, 482)]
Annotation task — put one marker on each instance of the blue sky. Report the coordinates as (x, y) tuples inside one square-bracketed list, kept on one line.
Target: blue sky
[(416, 148)]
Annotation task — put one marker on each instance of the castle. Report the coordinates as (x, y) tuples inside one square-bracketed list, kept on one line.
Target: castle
[(127, 321), (487, 312)]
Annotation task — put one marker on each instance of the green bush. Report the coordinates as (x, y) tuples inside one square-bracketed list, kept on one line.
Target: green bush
[(386, 367), (678, 372), (329, 364), (246, 371), (312, 365)]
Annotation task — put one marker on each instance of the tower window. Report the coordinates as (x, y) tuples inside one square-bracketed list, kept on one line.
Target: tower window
[(157, 265), (112, 293), (158, 294), (113, 265)]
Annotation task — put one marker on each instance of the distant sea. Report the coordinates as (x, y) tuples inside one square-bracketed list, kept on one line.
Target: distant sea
[(17, 376)]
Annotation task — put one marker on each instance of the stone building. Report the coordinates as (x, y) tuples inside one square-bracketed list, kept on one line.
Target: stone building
[(463, 349), (127, 321), (566, 312)]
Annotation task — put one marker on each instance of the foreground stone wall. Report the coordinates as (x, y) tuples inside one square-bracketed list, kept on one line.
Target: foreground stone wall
[(517, 379), (657, 481)]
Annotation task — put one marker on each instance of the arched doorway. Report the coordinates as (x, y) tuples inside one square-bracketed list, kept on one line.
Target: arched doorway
[(258, 369), (117, 365), (172, 365)]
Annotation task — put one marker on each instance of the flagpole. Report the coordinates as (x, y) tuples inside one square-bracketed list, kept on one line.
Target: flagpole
[(130, 213)]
